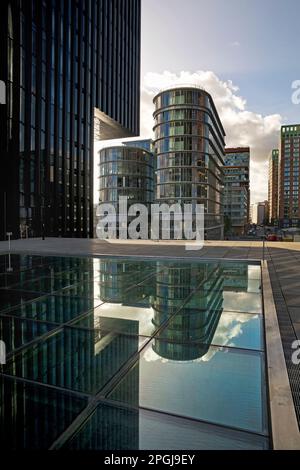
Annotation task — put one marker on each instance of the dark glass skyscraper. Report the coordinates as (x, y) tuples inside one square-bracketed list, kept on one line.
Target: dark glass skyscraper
[(72, 74)]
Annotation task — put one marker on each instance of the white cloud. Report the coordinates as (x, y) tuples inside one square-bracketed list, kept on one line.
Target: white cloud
[(243, 127), (235, 44)]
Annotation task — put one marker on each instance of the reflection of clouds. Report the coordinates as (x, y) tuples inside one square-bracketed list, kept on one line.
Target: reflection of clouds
[(123, 312), (254, 272), (210, 354), (230, 327), (242, 302), (151, 356)]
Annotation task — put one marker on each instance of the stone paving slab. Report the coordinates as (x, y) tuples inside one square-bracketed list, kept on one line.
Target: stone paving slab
[(295, 314), (297, 329)]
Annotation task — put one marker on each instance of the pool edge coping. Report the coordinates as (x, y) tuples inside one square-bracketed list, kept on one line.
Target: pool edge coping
[(284, 424), (256, 261)]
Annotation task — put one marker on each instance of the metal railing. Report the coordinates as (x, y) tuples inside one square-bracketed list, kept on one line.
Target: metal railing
[(182, 85)]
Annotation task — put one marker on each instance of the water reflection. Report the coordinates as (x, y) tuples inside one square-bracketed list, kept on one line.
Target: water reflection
[(80, 320), (196, 315)]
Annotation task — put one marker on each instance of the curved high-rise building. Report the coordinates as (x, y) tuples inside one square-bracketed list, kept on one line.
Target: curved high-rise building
[(126, 171), (189, 143), (192, 324)]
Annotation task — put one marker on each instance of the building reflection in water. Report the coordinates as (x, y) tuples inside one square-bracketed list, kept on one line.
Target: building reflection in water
[(195, 292), (185, 302)]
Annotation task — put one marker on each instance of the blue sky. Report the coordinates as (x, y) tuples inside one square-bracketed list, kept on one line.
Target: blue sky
[(244, 52), (254, 43)]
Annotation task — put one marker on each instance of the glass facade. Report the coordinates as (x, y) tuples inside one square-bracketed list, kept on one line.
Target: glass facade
[(237, 188), (289, 185), (63, 62), (189, 146), (166, 342), (126, 171), (146, 144)]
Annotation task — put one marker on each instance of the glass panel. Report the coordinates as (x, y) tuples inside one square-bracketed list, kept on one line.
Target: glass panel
[(32, 417), (222, 386), (221, 328), (115, 291), (53, 308), (254, 271), (254, 285), (75, 359), (242, 302), (113, 308), (116, 428), (17, 280), (44, 285), (12, 298), (18, 262), (118, 317), (16, 332)]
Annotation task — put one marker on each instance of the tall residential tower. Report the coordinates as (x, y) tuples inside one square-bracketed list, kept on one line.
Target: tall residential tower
[(289, 184), (189, 146), (237, 188), (273, 186)]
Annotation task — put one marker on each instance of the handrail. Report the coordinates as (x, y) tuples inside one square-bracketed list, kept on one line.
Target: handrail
[(181, 85)]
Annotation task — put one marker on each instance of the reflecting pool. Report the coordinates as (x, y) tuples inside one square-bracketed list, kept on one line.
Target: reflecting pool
[(172, 353)]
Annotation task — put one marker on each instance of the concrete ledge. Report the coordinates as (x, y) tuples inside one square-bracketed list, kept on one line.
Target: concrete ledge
[(284, 425)]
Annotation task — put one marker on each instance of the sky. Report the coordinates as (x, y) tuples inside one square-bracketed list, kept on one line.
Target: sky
[(244, 52)]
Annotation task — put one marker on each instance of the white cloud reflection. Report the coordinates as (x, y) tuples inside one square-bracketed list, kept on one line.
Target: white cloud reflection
[(230, 327)]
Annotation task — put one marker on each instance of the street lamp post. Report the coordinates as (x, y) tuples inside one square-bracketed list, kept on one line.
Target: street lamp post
[(9, 234), (3, 101)]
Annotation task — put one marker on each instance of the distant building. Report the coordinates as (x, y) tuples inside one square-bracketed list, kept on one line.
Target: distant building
[(236, 188), (289, 184), (95, 220), (260, 212), (251, 214), (273, 186)]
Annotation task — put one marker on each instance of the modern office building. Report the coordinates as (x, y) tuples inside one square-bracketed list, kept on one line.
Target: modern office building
[(126, 171), (273, 186), (146, 144), (289, 185), (260, 213), (237, 189), (189, 146), (72, 75)]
